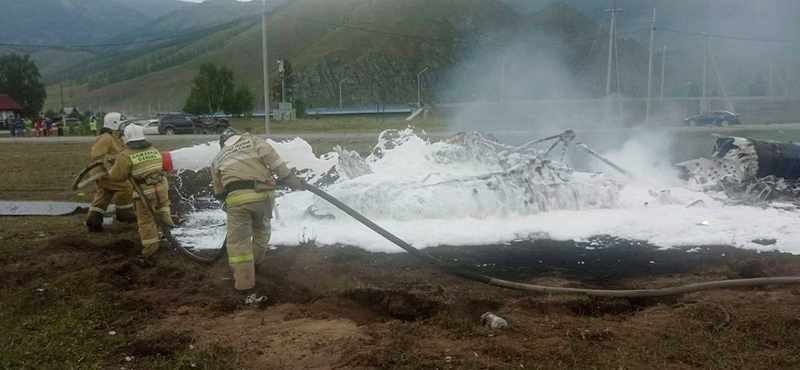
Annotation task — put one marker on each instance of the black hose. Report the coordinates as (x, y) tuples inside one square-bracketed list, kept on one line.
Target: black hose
[(638, 293)]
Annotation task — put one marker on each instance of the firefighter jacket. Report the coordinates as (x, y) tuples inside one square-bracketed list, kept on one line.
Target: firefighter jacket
[(249, 159), (144, 165), (107, 146)]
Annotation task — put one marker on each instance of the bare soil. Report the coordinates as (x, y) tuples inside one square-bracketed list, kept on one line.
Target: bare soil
[(343, 308)]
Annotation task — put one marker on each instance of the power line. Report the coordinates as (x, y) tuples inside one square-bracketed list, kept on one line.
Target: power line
[(730, 37)]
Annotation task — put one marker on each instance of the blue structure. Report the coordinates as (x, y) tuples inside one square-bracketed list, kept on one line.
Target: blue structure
[(361, 110)]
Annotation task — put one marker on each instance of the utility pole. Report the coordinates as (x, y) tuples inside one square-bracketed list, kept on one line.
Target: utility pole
[(159, 106), (728, 102), (663, 69), (503, 79), (704, 102), (170, 105), (419, 87), (280, 70), (650, 67), (770, 94), (61, 87), (340, 92), (611, 37), (266, 63)]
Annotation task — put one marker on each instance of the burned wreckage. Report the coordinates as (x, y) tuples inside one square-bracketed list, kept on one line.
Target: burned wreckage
[(406, 177), (493, 192), (747, 171)]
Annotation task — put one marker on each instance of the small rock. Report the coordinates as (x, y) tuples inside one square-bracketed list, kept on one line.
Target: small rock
[(112, 333), (493, 321), (770, 241)]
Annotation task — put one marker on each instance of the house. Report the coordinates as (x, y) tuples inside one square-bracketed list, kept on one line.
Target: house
[(66, 111), (8, 107)]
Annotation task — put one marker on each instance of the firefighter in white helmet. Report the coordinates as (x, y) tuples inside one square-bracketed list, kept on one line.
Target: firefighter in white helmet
[(141, 161), (243, 174), (107, 146)]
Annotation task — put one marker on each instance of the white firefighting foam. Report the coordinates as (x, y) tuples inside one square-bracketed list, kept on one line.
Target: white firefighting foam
[(462, 193)]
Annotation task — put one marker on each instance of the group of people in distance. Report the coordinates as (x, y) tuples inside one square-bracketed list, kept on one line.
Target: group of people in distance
[(40, 126)]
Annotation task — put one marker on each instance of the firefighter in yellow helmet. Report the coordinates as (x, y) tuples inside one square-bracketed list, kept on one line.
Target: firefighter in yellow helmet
[(143, 162), (243, 177), (107, 146)]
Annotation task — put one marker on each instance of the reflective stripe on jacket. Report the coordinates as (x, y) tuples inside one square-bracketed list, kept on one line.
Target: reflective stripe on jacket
[(249, 159)]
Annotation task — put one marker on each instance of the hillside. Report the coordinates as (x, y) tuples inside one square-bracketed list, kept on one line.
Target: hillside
[(65, 21), (155, 8), (315, 44), (463, 43)]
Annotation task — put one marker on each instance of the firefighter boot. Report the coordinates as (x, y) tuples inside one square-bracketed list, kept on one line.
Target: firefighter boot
[(94, 222)]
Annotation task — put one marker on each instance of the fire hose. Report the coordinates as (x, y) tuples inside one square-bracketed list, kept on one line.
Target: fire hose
[(635, 293)]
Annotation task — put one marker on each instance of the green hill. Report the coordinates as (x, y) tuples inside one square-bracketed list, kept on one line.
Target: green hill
[(65, 21), (462, 42), (155, 8)]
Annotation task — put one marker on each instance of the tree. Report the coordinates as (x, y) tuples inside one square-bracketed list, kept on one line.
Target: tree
[(215, 92), (213, 87), (288, 83), (20, 79), (243, 103)]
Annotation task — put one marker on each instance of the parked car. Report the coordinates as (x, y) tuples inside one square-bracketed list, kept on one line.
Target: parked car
[(171, 124), (721, 117), (70, 122), (150, 126)]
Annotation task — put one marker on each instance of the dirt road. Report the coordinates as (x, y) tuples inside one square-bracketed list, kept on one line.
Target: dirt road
[(511, 136)]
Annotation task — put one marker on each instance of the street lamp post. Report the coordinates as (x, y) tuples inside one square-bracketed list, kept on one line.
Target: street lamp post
[(266, 64), (340, 92), (281, 71), (503, 79), (419, 87)]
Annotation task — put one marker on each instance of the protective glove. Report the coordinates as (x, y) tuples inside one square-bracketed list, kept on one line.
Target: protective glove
[(295, 182), (108, 163)]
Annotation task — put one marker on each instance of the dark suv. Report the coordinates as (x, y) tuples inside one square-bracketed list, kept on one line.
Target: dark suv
[(171, 124)]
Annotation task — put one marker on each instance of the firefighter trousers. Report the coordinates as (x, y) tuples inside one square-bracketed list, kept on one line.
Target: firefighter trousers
[(105, 193), (249, 231), (158, 197)]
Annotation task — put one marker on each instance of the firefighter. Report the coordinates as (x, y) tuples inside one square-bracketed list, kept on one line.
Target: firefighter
[(107, 146), (243, 177), (141, 161), (93, 125)]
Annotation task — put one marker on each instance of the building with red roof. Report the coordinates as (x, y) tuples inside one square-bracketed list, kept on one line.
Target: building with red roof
[(8, 107)]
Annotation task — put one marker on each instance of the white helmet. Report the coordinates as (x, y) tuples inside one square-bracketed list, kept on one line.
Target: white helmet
[(133, 133), (113, 120)]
